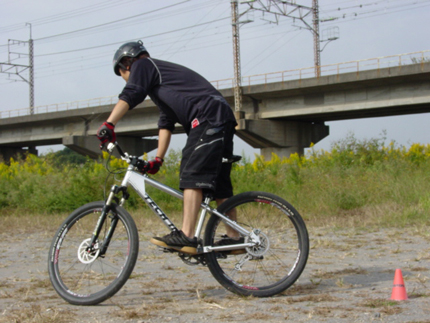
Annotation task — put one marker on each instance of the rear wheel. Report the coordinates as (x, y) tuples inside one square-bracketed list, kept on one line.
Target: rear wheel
[(276, 262), (88, 276)]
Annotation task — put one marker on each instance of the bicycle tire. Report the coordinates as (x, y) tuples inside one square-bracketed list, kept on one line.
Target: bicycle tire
[(274, 266), (92, 280)]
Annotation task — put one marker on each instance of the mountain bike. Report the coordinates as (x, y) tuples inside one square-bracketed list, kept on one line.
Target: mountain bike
[(95, 249)]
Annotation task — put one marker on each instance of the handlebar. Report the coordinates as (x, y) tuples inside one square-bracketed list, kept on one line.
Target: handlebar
[(111, 146), (125, 156), (140, 164)]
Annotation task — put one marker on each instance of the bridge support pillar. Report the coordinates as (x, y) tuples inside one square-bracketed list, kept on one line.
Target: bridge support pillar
[(89, 145), (279, 136), (6, 153)]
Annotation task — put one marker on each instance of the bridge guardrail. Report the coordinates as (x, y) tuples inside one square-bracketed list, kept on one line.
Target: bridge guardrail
[(289, 75), (332, 69), (60, 107)]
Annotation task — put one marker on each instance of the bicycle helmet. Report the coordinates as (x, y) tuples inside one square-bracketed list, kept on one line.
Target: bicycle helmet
[(132, 49)]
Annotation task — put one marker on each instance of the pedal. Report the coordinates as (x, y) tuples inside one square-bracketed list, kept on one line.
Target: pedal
[(166, 250), (220, 255), (257, 257), (193, 260)]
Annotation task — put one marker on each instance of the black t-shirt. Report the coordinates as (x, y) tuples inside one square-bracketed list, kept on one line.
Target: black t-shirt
[(182, 95)]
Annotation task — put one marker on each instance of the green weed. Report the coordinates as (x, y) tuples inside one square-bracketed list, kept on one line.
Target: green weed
[(357, 182)]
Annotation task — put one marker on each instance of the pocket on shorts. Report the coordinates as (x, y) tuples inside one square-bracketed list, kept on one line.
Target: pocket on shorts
[(206, 156), (208, 151)]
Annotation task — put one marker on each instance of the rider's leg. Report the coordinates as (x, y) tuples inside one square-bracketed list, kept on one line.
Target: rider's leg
[(200, 166), (184, 240), (192, 201), (232, 233)]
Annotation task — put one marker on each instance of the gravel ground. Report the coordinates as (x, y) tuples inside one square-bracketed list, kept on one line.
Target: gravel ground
[(348, 278)]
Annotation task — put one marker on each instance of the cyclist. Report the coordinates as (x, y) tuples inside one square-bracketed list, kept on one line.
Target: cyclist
[(184, 97)]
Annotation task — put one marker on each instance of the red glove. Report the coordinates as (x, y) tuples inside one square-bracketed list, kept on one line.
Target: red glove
[(154, 165), (106, 133)]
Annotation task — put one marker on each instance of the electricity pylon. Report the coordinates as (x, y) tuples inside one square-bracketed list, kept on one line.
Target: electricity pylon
[(13, 69)]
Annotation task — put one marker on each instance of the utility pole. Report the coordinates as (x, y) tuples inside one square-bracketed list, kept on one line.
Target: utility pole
[(236, 56), (316, 33), (31, 67), (235, 23), (13, 69)]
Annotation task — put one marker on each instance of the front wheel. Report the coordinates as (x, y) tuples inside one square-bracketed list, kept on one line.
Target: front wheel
[(276, 262), (87, 276)]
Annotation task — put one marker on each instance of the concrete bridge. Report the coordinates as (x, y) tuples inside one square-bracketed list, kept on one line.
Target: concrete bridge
[(281, 116)]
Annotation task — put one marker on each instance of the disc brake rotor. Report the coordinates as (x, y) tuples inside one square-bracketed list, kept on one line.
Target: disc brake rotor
[(259, 249), (87, 255)]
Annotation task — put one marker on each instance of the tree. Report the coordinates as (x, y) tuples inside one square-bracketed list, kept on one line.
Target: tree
[(66, 156)]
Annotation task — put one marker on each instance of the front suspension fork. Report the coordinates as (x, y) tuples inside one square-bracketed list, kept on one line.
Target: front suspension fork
[(103, 217)]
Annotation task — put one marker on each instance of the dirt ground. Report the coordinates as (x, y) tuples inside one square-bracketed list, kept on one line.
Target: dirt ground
[(348, 278)]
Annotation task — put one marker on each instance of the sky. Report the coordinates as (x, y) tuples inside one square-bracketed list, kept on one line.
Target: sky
[(74, 42)]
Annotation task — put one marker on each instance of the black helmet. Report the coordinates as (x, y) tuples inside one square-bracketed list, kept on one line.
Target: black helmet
[(132, 49)]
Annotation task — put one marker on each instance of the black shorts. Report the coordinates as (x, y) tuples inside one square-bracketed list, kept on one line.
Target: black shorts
[(201, 165)]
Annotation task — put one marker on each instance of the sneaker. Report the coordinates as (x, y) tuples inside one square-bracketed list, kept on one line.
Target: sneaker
[(226, 241), (178, 241)]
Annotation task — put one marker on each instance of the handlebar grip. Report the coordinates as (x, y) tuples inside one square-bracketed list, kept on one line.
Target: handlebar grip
[(111, 147), (141, 165)]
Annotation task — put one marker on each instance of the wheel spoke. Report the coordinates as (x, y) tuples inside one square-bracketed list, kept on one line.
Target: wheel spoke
[(273, 264), (86, 278)]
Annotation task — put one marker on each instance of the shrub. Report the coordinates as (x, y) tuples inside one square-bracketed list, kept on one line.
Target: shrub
[(356, 179)]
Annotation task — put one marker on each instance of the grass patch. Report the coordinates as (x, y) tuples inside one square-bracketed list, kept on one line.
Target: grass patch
[(37, 313), (358, 183), (343, 272), (387, 307)]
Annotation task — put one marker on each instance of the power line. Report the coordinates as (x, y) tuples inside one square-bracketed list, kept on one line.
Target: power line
[(143, 37), (125, 22), (179, 39), (376, 11), (198, 34), (112, 22), (216, 31), (157, 45), (262, 55), (220, 33), (66, 15), (44, 71), (68, 69)]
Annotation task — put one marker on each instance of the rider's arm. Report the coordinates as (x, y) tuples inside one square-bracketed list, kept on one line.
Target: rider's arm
[(164, 136), (118, 112)]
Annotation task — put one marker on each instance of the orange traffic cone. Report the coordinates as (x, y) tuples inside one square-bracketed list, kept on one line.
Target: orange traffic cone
[(399, 290)]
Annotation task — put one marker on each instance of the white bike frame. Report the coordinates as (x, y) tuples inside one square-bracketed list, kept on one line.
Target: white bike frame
[(139, 181)]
